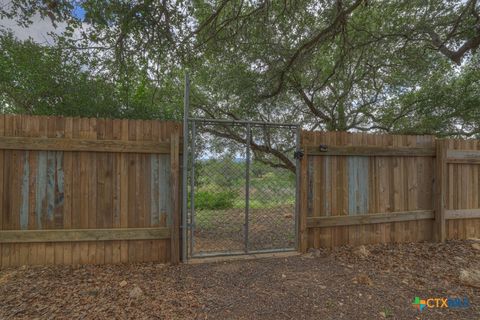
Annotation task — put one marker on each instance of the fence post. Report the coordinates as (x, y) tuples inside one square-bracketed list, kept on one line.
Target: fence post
[(174, 180), (302, 217), (440, 189)]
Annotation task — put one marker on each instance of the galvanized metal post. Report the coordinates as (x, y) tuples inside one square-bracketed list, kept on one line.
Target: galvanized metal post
[(247, 186), (297, 183), (186, 106), (192, 190)]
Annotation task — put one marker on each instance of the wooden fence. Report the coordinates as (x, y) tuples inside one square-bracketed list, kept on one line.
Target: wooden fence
[(77, 191), (366, 188)]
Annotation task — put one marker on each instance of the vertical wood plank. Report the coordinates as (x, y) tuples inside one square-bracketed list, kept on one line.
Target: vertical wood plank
[(25, 191), (164, 203), (59, 190), (67, 203), (314, 194), (96, 131), (20, 207), (84, 190), (302, 218), (31, 130), (174, 178), (333, 183), (117, 164), (326, 233), (76, 212), (373, 206), (469, 225), (5, 255), (124, 191), (440, 190), (132, 178), (139, 188), (154, 194), (146, 190), (50, 192)]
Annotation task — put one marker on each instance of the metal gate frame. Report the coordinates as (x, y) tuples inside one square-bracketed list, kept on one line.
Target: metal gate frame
[(186, 227)]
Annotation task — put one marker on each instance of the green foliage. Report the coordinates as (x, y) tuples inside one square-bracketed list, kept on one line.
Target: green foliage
[(225, 174), (45, 80), (395, 66), (50, 80), (269, 187), (211, 200), (446, 105)]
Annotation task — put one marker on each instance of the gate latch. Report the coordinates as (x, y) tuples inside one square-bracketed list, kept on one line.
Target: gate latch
[(298, 154), (323, 148)]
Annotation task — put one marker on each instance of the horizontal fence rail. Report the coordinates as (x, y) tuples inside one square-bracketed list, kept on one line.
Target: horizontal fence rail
[(15, 236), (367, 151), (58, 144), (463, 156), (314, 222), (462, 214)]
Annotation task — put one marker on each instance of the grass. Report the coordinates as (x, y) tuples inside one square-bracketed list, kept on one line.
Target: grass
[(264, 203)]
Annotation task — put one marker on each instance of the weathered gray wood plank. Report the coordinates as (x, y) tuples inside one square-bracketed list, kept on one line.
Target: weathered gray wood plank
[(463, 156), (61, 144), (371, 151), (358, 168), (335, 221), (25, 192), (462, 214), (60, 235)]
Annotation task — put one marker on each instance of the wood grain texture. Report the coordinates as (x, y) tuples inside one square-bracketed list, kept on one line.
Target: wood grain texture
[(303, 242), (70, 175), (462, 214), (463, 156), (322, 222), (462, 198), (366, 150), (61, 144), (175, 199), (72, 235), (361, 175), (440, 190)]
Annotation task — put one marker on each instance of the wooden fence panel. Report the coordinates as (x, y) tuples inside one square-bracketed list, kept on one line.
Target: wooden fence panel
[(361, 175), (363, 188), (85, 180), (88, 187), (462, 197)]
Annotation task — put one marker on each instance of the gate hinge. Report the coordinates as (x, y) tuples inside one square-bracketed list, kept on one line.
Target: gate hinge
[(298, 154), (323, 148)]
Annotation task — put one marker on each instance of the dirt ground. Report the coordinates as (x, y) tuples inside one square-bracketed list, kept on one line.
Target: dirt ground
[(374, 282), (222, 230)]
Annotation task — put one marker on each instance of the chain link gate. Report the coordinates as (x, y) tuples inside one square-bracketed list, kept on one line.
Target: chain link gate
[(241, 188)]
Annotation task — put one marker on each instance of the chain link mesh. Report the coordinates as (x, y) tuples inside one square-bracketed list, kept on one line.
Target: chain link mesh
[(218, 221)]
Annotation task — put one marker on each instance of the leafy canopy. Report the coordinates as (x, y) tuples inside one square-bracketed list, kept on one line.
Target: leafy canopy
[(406, 66)]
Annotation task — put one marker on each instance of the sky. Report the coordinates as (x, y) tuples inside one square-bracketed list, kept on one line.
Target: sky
[(79, 12), (40, 28)]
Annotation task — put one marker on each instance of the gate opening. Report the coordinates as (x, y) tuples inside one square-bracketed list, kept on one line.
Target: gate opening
[(241, 187)]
